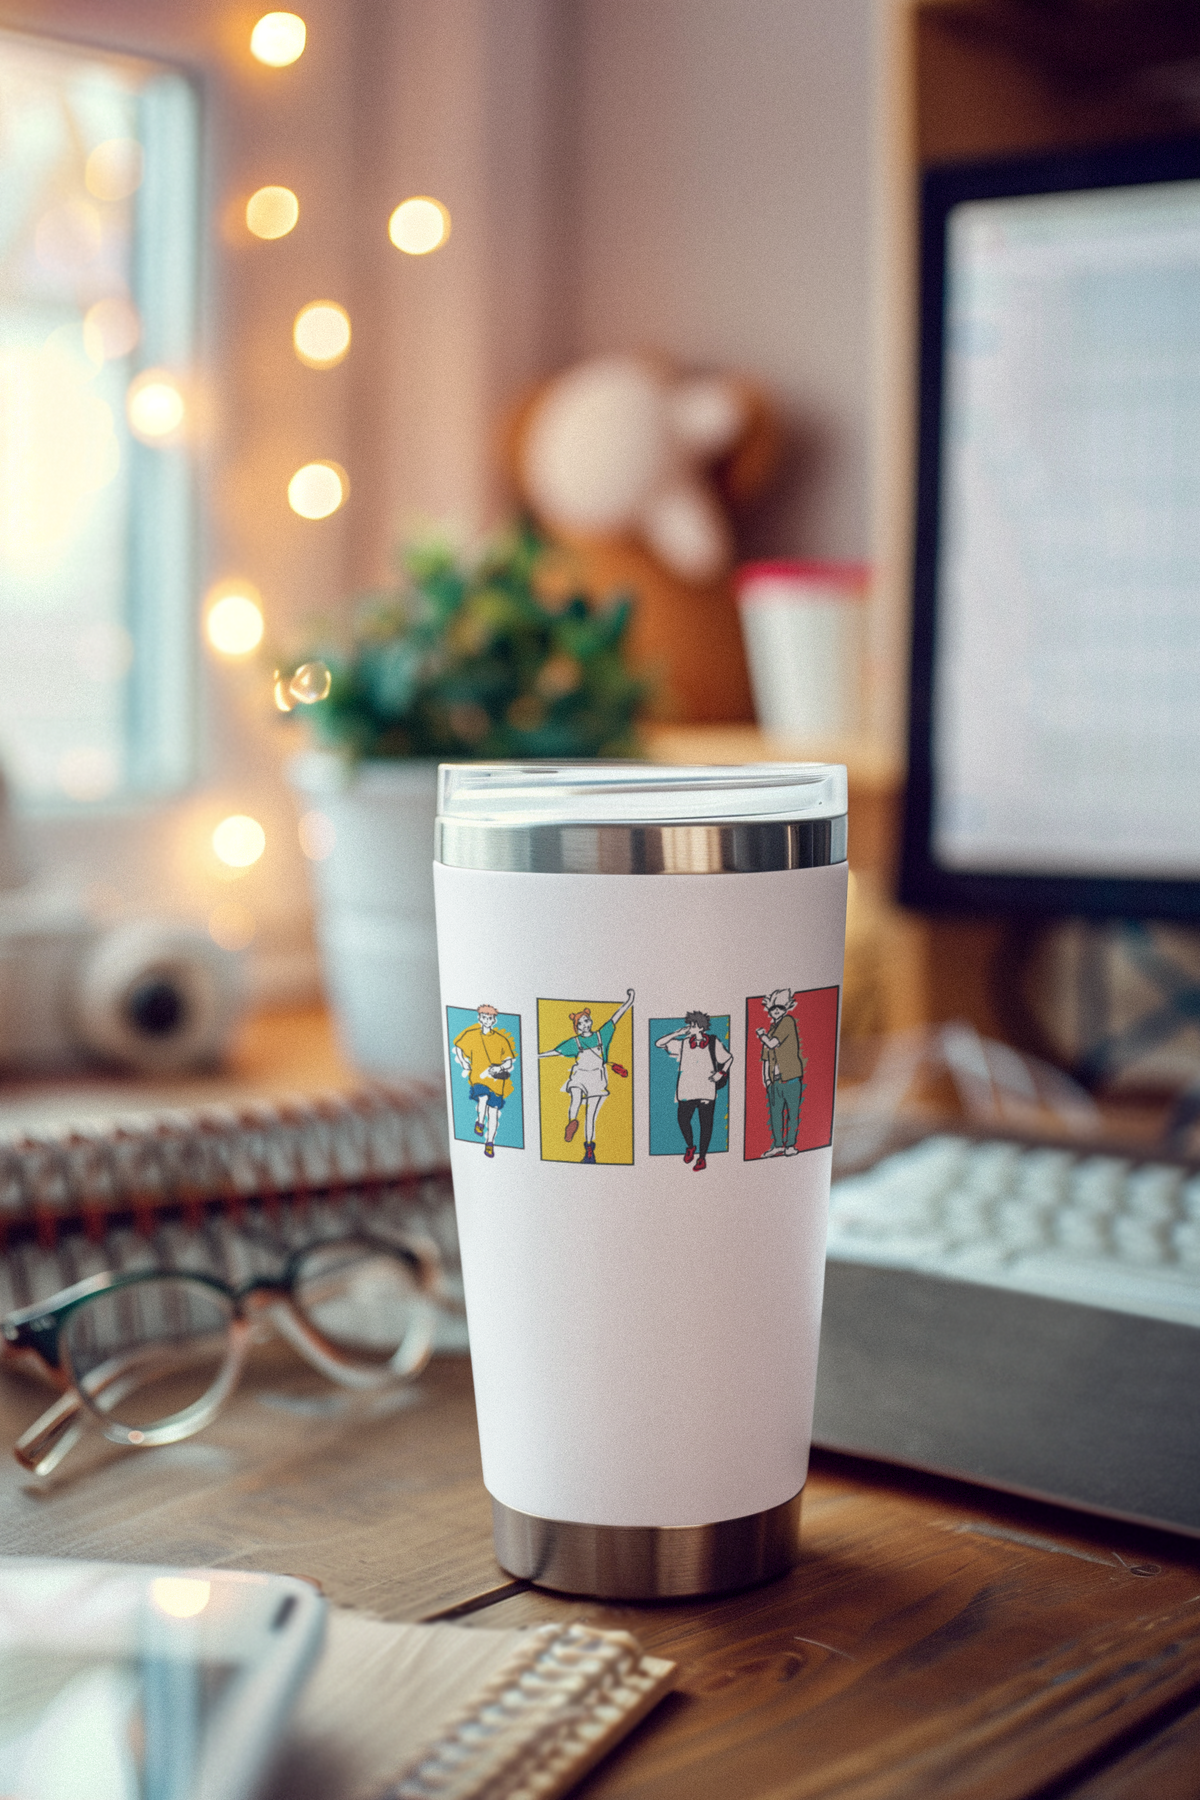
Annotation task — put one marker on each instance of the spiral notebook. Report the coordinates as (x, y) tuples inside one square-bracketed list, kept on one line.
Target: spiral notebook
[(393, 1712), (410, 1712), (223, 1189)]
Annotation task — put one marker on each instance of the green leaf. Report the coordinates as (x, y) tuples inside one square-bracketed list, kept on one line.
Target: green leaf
[(447, 662)]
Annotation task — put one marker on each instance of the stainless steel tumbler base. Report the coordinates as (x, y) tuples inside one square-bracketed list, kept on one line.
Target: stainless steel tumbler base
[(648, 1562)]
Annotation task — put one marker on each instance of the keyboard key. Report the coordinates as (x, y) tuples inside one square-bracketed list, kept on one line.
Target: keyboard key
[(1097, 1229)]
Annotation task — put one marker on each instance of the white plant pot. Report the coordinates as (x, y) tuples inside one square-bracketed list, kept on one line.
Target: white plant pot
[(373, 892)]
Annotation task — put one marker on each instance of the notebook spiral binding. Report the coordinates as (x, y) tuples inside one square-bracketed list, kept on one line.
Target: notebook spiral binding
[(542, 1720), (230, 1190)]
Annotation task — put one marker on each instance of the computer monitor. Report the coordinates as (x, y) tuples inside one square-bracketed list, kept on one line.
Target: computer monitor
[(1055, 691)]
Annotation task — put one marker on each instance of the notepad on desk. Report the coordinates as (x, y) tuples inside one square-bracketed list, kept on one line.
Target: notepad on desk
[(104, 1188), (406, 1712)]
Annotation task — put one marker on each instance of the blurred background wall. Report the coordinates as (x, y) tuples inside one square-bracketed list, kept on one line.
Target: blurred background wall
[(688, 176), (722, 209)]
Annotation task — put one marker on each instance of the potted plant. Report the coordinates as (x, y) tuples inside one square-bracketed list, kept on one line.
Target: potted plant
[(495, 657)]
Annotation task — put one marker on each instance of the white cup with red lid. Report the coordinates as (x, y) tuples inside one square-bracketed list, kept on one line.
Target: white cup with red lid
[(804, 626)]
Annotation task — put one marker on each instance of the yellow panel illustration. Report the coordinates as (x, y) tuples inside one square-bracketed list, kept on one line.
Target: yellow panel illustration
[(585, 1068)]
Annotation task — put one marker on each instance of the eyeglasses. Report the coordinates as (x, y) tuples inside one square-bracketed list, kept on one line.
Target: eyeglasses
[(152, 1356)]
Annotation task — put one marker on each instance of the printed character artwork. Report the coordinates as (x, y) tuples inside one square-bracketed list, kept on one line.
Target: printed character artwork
[(586, 1052), (789, 1082), (485, 1077), (690, 1061)]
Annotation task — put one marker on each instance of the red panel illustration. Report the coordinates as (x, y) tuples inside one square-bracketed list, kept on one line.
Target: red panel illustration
[(791, 1062)]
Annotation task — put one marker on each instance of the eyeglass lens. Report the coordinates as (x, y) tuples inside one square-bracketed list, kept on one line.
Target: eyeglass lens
[(360, 1298), (148, 1351)]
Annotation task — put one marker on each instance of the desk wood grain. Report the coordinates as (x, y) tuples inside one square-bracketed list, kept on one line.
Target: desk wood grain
[(386, 1510), (1165, 1764), (935, 1640)]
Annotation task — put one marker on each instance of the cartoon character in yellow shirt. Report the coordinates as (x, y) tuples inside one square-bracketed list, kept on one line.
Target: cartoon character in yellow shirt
[(486, 1055)]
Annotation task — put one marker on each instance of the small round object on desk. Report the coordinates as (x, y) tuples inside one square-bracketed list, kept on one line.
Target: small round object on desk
[(158, 997)]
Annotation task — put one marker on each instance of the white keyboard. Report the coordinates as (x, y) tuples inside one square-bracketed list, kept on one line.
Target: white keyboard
[(1095, 1229)]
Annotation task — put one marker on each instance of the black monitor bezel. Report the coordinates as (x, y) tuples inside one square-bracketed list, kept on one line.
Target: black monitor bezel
[(925, 883)]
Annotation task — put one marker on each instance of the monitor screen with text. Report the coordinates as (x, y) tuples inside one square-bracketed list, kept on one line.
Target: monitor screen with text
[(1064, 686)]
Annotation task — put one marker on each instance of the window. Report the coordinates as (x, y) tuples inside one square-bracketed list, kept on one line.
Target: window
[(98, 233)]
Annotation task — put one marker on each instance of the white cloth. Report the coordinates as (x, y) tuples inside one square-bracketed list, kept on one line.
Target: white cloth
[(697, 1078), (589, 1074)]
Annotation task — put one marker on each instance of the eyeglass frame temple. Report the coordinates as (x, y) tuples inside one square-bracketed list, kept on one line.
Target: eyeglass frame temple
[(42, 1447), (46, 1442)]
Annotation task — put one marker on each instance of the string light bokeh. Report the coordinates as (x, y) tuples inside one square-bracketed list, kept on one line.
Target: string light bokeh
[(155, 406), (311, 682), (271, 212), (278, 39), (321, 334), (318, 489), (419, 225), (233, 621), (239, 841)]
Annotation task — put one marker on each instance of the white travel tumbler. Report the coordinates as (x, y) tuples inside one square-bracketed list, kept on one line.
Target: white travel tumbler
[(641, 970)]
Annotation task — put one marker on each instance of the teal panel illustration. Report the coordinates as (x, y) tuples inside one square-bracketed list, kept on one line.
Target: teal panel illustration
[(485, 1077), (690, 1059)]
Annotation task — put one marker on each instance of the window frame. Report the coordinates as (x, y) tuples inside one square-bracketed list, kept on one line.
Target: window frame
[(158, 501)]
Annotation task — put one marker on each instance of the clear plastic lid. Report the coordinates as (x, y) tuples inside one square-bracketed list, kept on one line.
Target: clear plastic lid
[(628, 793)]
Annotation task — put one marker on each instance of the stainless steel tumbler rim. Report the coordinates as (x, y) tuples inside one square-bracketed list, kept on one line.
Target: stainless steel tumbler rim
[(752, 847), (648, 1562)]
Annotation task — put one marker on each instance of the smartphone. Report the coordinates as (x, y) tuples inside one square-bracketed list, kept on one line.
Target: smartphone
[(125, 1683)]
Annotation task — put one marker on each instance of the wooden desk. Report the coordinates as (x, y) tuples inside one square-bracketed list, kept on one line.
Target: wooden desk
[(935, 1641)]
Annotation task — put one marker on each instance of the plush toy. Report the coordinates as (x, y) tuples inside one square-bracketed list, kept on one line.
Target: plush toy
[(632, 467)]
